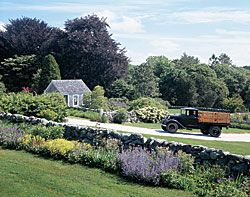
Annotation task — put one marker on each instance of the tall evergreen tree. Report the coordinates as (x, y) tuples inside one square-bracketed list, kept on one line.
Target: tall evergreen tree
[(19, 71), (50, 71)]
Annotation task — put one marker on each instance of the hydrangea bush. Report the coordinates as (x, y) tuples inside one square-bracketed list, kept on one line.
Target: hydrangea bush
[(151, 114)]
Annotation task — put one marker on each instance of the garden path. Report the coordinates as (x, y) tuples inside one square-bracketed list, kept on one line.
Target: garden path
[(223, 137)]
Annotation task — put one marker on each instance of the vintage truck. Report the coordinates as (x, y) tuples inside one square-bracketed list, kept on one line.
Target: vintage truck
[(209, 121)]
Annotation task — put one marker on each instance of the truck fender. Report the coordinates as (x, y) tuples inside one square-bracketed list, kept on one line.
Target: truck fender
[(175, 121)]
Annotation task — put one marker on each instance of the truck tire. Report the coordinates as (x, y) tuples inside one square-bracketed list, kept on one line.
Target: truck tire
[(172, 127), (204, 131), (215, 131)]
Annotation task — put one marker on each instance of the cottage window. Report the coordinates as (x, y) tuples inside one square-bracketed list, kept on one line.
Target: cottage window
[(75, 100)]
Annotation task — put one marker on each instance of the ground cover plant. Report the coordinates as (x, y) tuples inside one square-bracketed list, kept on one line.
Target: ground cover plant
[(156, 167)]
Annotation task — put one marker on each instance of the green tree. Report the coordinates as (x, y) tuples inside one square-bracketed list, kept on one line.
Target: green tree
[(144, 80), (50, 71), (159, 64), (178, 87), (222, 59), (233, 104), (95, 99), (120, 88), (18, 72)]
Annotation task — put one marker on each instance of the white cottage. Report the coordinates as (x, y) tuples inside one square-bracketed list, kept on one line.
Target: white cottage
[(72, 90)]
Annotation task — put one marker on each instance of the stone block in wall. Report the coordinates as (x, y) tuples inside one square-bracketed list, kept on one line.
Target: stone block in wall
[(241, 167), (205, 155)]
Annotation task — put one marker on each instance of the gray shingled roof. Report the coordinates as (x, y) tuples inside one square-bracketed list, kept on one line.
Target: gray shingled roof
[(68, 86)]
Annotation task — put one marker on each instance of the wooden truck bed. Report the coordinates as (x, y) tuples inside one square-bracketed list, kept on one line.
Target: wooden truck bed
[(213, 117)]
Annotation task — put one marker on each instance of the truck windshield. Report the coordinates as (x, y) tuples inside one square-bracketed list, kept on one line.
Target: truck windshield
[(183, 112)]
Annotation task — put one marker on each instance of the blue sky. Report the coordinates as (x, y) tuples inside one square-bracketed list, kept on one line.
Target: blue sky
[(157, 27)]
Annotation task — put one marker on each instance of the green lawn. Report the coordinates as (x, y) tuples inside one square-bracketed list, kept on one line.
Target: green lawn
[(158, 126), (24, 174)]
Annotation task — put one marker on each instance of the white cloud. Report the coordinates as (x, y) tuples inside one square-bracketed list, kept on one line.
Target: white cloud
[(232, 33), (163, 46), (122, 23), (2, 26), (211, 15)]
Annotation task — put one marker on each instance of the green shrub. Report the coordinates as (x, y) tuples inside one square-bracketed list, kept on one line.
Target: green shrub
[(151, 114), (239, 126), (48, 133), (50, 105), (120, 116), (117, 103), (48, 114), (145, 102), (104, 119)]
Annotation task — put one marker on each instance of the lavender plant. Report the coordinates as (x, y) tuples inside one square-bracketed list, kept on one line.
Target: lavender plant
[(145, 166), (10, 137)]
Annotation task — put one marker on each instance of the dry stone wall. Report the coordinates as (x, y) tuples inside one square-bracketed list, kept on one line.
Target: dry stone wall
[(202, 154)]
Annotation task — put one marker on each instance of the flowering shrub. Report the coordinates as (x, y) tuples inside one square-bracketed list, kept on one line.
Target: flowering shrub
[(58, 148), (145, 166), (32, 143), (151, 114), (10, 137)]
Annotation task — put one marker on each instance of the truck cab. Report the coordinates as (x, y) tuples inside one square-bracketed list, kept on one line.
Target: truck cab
[(208, 121)]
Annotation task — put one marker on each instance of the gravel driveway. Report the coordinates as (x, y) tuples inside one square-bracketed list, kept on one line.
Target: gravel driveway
[(223, 137)]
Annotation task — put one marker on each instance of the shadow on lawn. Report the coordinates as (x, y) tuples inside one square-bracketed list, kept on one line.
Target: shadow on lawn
[(184, 133)]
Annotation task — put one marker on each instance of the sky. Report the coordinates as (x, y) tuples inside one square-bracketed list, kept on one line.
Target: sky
[(145, 28)]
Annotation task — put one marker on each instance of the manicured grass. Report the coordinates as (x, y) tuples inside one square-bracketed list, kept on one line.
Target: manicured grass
[(241, 148), (24, 174)]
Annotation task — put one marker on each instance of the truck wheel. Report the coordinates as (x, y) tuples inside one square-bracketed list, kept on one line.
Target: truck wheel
[(172, 127), (205, 131), (164, 128), (215, 131)]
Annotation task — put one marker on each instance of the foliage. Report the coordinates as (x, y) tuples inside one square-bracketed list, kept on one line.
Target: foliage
[(145, 102), (233, 104), (94, 116), (222, 59), (32, 143), (48, 133), (85, 50), (241, 117), (151, 114), (25, 36), (117, 103), (95, 99), (10, 137), (2, 86), (120, 116), (19, 71), (104, 119), (50, 71), (50, 105), (143, 79), (206, 181), (58, 148), (121, 89), (239, 125), (141, 165)]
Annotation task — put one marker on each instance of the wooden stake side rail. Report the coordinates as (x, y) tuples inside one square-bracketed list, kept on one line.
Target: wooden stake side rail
[(213, 117)]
